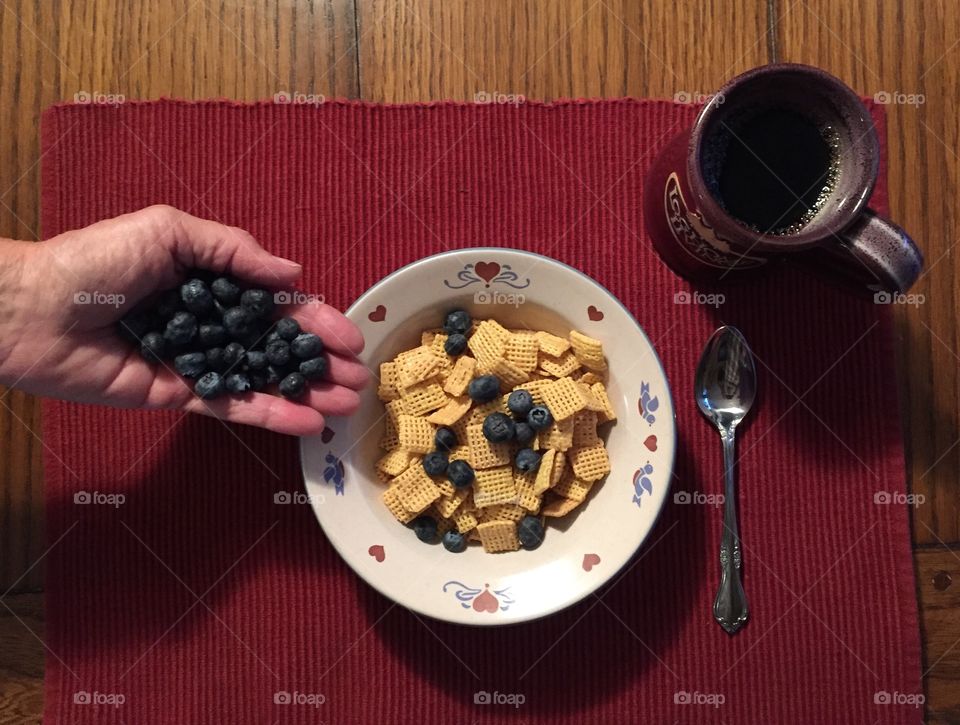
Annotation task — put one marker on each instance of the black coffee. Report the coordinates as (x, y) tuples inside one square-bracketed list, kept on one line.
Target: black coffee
[(775, 170)]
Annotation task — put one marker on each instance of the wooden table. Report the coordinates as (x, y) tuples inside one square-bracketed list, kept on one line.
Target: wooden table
[(417, 50)]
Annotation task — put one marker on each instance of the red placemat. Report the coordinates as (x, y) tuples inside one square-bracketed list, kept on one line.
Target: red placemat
[(197, 600)]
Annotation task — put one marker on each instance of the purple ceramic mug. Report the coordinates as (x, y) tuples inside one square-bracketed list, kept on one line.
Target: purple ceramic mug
[(779, 164)]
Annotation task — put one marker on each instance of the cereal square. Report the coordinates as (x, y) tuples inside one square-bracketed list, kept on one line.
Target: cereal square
[(551, 344), (559, 506), (483, 453), (590, 463), (585, 428), (558, 435), (450, 413), (560, 367), (564, 397), (607, 413), (415, 489), (493, 486), (415, 434), (395, 462), (498, 536), (460, 376), (423, 398), (572, 487), (522, 349), (391, 498), (387, 390)]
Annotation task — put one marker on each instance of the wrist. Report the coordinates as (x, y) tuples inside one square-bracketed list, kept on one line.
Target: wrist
[(14, 303)]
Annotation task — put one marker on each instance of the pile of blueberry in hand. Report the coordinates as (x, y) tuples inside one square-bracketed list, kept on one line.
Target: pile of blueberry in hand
[(225, 338)]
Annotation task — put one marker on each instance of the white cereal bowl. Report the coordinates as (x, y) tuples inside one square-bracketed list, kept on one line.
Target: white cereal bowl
[(520, 290)]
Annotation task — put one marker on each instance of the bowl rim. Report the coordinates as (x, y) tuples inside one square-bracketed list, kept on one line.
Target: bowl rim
[(613, 576)]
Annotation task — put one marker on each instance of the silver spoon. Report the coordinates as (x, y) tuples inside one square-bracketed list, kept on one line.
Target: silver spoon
[(725, 387)]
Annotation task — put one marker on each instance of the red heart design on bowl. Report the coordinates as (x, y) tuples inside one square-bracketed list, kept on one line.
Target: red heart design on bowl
[(486, 602), (651, 443), (378, 315), (590, 561), (377, 552), (326, 435), (487, 271), (594, 314)]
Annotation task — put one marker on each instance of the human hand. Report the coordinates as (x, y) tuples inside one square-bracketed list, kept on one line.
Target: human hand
[(63, 297)]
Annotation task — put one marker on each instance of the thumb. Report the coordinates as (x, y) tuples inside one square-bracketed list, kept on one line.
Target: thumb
[(207, 244)]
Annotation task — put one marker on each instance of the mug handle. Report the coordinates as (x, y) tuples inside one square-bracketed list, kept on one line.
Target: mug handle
[(873, 253)]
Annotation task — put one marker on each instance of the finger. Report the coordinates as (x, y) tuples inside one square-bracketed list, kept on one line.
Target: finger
[(207, 244), (347, 372), (337, 332), (263, 411), (331, 399)]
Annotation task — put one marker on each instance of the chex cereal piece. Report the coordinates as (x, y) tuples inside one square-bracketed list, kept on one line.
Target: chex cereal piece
[(391, 498), (460, 376), (551, 344), (416, 489), (443, 483), (395, 462), (487, 344), (521, 349), (450, 413), (592, 402), (483, 453), (443, 525), (585, 428), (564, 397), (542, 481), (415, 434), (498, 536), (493, 486), (447, 504), (493, 328), (559, 466), (589, 378), (387, 389), (590, 463), (480, 412), (503, 512), (607, 414), (385, 478), (436, 344), (509, 373), (527, 495), (460, 428), (390, 439), (559, 367), (535, 388), (588, 351), (465, 520), (460, 453), (422, 398), (415, 368), (572, 487), (558, 435), (426, 337), (557, 507)]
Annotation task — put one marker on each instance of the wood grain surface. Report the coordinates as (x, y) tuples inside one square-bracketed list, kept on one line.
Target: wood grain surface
[(418, 50)]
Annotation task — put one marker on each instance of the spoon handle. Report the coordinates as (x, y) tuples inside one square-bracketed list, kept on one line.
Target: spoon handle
[(730, 606)]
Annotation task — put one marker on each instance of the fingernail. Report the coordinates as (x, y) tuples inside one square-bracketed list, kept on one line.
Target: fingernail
[(290, 263)]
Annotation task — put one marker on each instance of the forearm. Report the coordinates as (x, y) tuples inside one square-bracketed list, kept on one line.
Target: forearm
[(15, 302)]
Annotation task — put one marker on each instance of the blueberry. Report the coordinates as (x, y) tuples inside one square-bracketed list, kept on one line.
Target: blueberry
[(153, 347), (287, 328), (530, 532), (258, 302), (255, 360), (498, 428), (238, 383), (190, 364), (455, 344), (527, 460), (435, 464), (457, 321), (293, 386), (212, 335), (445, 439), (460, 473), (539, 417), (169, 303), (136, 324), (196, 297), (484, 389), (454, 541), (225, 290), (275, 374), (210, 385), (278, 352), (523, 433), (238, 321), (215, 359), (425, 527), (306, 345), (272, 336), (520, 402), (180, 329), (257, 382), (314, 368), (233, 354)]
